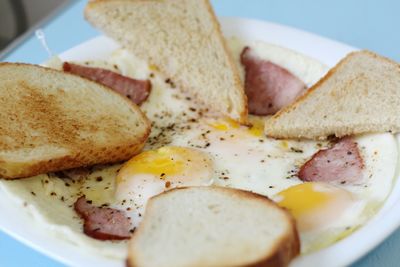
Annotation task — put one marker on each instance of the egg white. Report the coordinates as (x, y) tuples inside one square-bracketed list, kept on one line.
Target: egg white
[(241, 159)]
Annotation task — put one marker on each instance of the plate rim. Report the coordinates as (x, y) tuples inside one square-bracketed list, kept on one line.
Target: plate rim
[(386, 223)]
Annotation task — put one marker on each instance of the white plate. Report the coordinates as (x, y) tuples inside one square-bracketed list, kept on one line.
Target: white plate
[(14, 219)]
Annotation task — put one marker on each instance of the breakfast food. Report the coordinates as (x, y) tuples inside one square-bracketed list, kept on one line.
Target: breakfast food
[(223, 227), (136, 90), (330, 187), (268, 86), (342, 163), (52, 121), (103, 223), (171, 35), (360, 95), (193, 150), (154, 171)]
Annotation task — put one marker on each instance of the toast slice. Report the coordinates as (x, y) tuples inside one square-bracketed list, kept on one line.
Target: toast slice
[(182, 38), (213, 226), (361, 94), (51, 120)]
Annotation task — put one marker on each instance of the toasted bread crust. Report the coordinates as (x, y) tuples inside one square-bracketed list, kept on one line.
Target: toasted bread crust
[(77, 152), (299, 100), (243, 119), (10, 170), (287, 248), (237, 92), (339, 132)]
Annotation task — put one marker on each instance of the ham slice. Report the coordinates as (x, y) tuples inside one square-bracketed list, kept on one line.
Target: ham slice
[(103, 223), (342, 163), (136, 90), (268, 86)]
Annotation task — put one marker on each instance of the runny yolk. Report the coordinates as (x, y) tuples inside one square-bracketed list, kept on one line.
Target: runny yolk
[(302, 199), (227, 124), (162, 162)]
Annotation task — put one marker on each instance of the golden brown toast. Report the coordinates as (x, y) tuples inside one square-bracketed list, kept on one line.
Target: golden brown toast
[(213, 226), (361, 94), (52, 121), (182, 38)]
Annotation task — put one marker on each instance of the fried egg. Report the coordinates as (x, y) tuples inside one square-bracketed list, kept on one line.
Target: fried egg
[(155, 171), (312, 204), (322, 212), (186, 148)]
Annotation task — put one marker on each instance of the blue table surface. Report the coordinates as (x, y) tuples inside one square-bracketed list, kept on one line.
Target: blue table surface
[(369, 24)]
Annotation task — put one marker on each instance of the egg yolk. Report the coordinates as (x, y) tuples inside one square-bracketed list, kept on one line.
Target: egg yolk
[(224, 125), (154, 171), (284, 144), (153, 68), (163, 162), (314, 205), (303, 198), (227, 124), (257, 126)]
